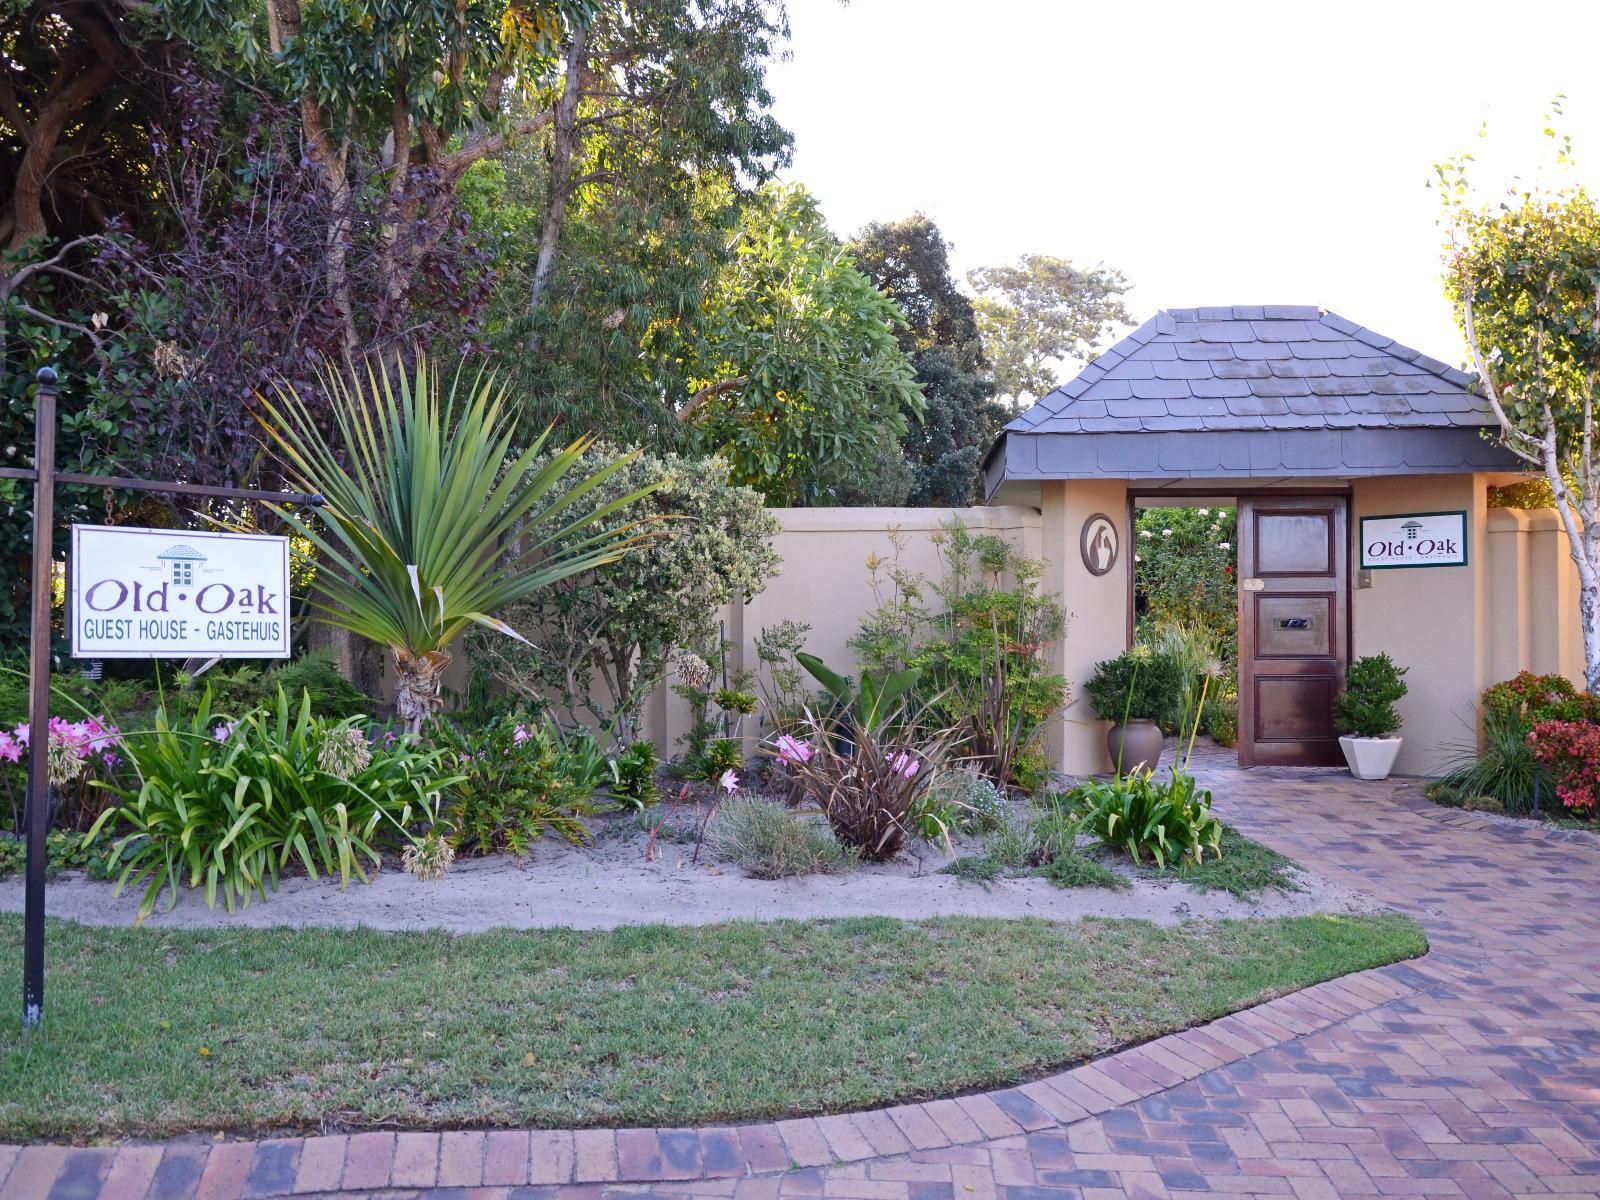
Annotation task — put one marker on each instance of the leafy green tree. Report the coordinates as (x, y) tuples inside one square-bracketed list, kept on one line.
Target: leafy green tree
[(909, 260), (1524, 275), (605, 635), (796, 369), (1185, 570), (1041, 311), (420, 490)]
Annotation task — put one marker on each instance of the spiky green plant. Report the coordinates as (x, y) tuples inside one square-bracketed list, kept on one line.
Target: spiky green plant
[(421, 491)]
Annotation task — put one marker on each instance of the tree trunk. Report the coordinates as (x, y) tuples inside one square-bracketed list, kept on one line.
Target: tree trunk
[(67, 96), (564, 148), (417, 681)]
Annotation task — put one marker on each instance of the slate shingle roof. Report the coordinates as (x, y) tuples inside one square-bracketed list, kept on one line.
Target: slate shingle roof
[(1251, 392), (1263, 367)]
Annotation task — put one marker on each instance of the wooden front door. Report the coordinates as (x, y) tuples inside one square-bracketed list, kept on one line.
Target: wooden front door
[(1293, 628)]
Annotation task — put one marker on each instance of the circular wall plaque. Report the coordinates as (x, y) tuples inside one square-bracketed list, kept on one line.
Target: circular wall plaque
[(1098, 544)]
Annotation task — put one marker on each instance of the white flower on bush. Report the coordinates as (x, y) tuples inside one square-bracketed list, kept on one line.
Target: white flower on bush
[(1205, 512), (1166, 533), (1224, 545), (1138, 558), (1145, 533), (729, 782)]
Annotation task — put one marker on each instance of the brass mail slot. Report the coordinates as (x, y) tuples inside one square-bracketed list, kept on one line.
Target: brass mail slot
[(1292, 623)]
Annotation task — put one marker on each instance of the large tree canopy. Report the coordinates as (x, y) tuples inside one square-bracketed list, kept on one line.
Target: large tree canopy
[(1524, 275), (796, 372), (909, 260), (1041, 311)]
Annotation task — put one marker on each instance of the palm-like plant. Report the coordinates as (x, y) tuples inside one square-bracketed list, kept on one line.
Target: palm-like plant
[(418, 501)]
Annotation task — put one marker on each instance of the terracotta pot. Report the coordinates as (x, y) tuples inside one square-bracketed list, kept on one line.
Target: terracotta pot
[(1136, 745)]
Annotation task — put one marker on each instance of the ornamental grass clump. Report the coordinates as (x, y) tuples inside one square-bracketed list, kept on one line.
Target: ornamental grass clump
[(770, 841)]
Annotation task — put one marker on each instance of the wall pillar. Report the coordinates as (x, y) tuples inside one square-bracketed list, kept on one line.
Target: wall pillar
[(1096, 608)]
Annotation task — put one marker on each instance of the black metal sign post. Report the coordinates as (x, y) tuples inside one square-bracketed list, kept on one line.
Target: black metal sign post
[(44, 478)]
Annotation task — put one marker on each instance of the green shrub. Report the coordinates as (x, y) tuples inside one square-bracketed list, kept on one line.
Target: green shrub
[(983, 653), (977, 806), (1372, 684), (1140, 684), (1195, 651), (1221, 720), (515, 782), (770, 842), (317, 675), (227, 805), (633, 775), (1168, 820), (65, 850)]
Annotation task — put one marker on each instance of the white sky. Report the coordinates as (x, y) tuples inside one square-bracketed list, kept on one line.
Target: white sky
[(1218, 152)]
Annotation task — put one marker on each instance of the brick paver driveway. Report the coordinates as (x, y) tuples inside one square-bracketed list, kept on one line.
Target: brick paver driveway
[(1473, 1072)]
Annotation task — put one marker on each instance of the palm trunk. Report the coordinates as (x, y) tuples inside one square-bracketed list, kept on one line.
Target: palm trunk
[(417, 681)]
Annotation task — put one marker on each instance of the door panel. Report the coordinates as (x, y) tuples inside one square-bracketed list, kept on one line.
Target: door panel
[(1293, 628)]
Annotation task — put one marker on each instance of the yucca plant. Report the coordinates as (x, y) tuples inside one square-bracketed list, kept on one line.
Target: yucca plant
[(421, 489)]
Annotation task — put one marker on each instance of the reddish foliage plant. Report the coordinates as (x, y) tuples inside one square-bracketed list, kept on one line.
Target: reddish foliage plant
[(1572, 750)]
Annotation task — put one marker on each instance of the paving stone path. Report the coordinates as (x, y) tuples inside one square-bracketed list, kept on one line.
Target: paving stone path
[(1472, 1072)]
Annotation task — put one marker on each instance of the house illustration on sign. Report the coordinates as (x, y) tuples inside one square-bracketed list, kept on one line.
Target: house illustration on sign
[(181, 561)]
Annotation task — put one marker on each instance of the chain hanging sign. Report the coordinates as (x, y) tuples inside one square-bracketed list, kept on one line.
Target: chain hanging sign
[(163, 593), (1414, 540)]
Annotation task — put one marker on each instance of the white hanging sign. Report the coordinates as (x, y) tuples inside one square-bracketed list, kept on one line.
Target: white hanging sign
[(175, 593), (1414, 540)]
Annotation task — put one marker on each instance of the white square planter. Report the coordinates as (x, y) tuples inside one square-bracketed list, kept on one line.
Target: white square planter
[(1370, 758)]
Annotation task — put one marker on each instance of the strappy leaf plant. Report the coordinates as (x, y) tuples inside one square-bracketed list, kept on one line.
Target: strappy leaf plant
[(431, 520)]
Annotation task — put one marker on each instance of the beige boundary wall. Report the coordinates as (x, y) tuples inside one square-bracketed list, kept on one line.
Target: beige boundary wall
[(825, 582), (1459, 629)]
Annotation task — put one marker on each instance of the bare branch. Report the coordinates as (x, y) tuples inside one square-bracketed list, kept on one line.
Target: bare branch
[(686, 413)]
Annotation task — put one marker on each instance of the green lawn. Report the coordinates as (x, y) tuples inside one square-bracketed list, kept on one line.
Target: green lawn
[(154, 1032)]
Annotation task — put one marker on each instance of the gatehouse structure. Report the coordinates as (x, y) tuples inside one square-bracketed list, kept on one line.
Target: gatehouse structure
[(1361, 473)]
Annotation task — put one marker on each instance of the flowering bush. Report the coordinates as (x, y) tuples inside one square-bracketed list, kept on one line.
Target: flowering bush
[(1571, 749), (80, 754), (1529, 700), (1185, 569)]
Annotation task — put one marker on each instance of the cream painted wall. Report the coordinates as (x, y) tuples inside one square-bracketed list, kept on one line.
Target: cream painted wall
[(1432, 620), (1533, 596), (825, 583), (1097, 609)]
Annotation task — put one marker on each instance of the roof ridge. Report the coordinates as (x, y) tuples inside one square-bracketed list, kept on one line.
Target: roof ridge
[(1399, 350)]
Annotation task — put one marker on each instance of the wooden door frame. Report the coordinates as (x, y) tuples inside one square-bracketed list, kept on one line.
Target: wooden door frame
[(1238, 495)]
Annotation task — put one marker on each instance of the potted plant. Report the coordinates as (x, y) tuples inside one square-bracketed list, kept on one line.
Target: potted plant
[(1132, 691), (1366, 716)]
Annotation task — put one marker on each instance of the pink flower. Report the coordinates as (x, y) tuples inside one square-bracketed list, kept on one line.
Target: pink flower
[(729, 782), (521, 735), (72, 734), (224, 731), (10, 748), (22, 734), (905, 765), (793, 750)]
